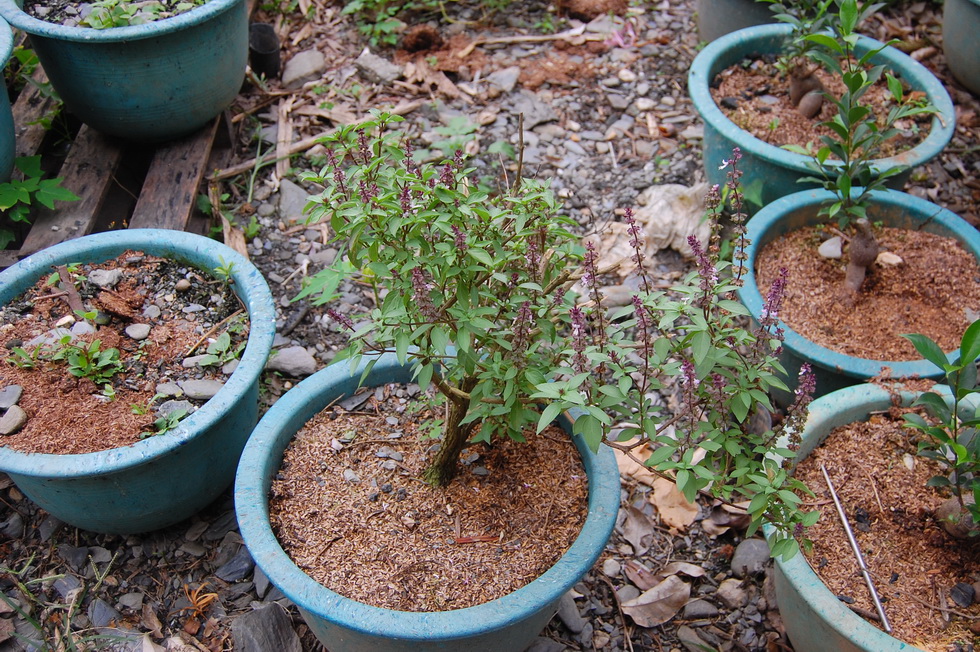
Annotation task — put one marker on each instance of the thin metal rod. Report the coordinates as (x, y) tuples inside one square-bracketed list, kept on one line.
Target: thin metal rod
[(857, 552)]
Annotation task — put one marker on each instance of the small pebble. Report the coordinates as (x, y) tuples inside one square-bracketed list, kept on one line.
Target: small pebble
[(182, 285)]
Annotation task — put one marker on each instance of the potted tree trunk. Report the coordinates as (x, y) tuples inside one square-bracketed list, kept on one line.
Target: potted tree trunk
[(148, 82), (162, 478), (776, 171)]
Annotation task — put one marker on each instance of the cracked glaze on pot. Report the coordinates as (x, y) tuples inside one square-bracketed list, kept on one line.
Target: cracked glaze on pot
[(778, 169), (166, 478), (344, 625)]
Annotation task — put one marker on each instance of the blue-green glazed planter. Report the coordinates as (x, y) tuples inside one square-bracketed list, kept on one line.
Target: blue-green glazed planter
[(344, 625), (719, 17), (150, 82), (7, 138), (835, 370), (773, 169), (961, 41), (815, 619), (164, 479)]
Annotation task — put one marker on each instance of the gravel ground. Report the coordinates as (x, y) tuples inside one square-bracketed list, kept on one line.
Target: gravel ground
[(616, 123)]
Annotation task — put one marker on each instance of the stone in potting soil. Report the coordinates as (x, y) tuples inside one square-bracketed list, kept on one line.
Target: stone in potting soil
[(12, 420), (138, 331), (105, 278), (751, 557), (831, 248), (201, 389), (9, 396)]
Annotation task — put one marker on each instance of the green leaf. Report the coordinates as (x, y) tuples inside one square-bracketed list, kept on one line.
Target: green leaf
[(928, 349), (549, 414), (480, 256), (402, 342), (826, 41), (970, 344), (591, 430)]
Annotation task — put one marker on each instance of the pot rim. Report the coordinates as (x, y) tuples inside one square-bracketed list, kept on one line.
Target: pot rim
[(251, 289), (12, 12), (262, 456), (764, 222), (726, 51)]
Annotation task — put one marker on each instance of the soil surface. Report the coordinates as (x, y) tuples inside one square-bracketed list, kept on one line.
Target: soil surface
[(350, 510), (756, 97), (931, 288), (101, 379), (914, 564)]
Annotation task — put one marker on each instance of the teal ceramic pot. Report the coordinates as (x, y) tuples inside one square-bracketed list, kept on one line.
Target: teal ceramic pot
[(719, 17), (149, 82), (772, 168), (344, 625), (7, 138), (164, 479), (815, 620), (893, 208), (961, 44)]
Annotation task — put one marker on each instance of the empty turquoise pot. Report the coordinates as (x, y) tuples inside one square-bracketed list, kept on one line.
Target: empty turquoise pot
[(149, 82), (344, 625), (719, 17), (961, 45), (7, 139), (815, 620), (776, 170), (164, 479), (893, 208)]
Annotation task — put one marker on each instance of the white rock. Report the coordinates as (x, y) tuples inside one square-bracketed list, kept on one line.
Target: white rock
[(831, 248)]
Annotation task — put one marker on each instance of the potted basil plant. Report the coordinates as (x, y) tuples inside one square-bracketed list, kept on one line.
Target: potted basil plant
[(475, 295)]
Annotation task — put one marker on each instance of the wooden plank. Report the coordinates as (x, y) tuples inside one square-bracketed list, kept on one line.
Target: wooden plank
[(170, 190), (32, 104), (8, 257), (87, 172)]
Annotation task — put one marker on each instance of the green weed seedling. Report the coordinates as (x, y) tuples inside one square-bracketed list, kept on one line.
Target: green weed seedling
[(165, 423), (17, 196)]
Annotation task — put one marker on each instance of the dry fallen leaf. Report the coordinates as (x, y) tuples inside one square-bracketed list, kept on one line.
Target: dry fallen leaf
[(723, 517), (659, 604), (638, 529), (674, 509), (150, 622), (682, 568), (642, 577), (631, 468)]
